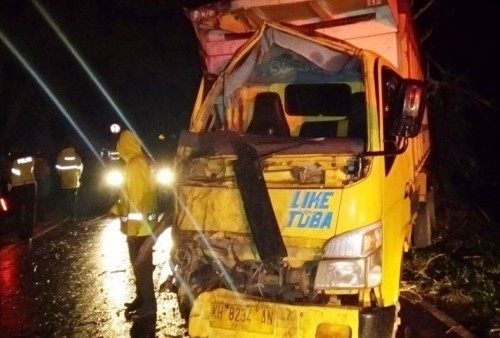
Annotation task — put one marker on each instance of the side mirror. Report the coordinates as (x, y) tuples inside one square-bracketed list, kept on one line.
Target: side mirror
[(408, 108)]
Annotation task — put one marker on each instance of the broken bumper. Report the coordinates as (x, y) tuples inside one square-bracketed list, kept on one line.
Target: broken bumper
[(222, 313)]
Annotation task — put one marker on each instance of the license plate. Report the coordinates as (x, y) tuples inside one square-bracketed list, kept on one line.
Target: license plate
[(243, 318)]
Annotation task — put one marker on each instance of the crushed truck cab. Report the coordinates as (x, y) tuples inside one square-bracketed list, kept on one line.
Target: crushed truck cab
[(302, 177)]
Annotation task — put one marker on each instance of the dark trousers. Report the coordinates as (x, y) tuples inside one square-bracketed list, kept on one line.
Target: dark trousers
[(24, 207), (142, 263), (69, 200)]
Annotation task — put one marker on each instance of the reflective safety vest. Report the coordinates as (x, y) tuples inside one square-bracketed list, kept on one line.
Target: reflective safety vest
[(69, 167), (22, 171)]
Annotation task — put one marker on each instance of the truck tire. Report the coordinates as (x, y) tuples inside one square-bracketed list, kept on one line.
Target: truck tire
[(184, 303), (431, 209), (425, 222), (186, 294)]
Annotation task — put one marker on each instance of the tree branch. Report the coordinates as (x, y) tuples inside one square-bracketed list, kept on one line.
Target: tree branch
[(423, 9)]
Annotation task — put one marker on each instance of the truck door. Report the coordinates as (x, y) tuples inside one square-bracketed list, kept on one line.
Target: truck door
[(398, 182)]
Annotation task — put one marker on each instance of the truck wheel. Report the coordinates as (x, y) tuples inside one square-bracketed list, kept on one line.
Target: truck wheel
[(431, 209), (184, 303), (425, 222)]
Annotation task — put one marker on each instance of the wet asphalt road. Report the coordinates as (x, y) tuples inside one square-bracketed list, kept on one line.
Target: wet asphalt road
[(73, 280)]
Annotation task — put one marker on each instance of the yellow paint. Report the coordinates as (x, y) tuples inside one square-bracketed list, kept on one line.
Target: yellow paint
[(222, 313), (378, 197)]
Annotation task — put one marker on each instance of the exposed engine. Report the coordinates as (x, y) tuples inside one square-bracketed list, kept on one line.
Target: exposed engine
[(219, 261), (250, 256)]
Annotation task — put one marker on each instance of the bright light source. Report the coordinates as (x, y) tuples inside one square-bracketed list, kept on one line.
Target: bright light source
[(3, 204), (165, 176), (114, 178), (113, 257), (115, 128)]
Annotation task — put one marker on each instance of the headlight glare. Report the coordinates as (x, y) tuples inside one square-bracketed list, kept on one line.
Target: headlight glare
[(165, 176), (114, 178)]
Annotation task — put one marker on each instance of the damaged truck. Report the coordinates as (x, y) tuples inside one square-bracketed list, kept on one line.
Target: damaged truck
[(302, 178)]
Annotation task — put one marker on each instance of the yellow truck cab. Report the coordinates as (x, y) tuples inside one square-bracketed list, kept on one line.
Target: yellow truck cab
[(302, 175)]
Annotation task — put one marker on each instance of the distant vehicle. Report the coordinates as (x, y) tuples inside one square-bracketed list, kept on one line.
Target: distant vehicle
[(113, 177), (302, 178)]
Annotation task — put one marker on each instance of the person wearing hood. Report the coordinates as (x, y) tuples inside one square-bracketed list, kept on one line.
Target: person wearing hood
[(137, 209), (69, 167)]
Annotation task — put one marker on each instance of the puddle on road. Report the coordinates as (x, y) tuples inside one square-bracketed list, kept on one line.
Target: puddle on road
[(74, 282)]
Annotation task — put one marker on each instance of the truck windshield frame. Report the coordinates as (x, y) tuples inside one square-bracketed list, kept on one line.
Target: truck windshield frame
[(317, 93)]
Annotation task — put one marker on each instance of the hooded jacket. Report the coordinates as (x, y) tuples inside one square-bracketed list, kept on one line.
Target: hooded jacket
[(137, 204), (69, 167)]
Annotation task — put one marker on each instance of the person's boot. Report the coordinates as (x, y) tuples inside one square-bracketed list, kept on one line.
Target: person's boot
[(143, 312), (132, 306), (147, 310)]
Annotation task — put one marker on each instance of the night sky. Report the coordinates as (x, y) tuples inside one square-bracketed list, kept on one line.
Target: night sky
[(464, 43), (144, 53)]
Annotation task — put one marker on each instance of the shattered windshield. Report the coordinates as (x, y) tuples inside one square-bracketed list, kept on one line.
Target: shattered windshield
[(290, 86)]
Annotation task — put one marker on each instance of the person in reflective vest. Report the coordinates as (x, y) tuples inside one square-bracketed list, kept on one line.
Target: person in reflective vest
[(137, 209), (69, 167), (23, 189)]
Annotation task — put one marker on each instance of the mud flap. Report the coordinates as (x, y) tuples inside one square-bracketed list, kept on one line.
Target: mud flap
[(377, 322), (257, 204)]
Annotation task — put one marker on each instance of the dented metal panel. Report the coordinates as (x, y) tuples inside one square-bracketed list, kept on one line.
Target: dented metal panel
[(225, 26), (319, 189)]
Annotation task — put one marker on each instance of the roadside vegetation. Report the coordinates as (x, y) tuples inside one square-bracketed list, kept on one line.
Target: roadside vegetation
[(460, 271)]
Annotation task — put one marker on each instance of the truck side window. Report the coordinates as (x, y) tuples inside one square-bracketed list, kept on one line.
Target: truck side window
[(390, 81)]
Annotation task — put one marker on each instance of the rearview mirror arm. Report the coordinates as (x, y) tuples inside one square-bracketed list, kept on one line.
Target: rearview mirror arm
[(391, 152)]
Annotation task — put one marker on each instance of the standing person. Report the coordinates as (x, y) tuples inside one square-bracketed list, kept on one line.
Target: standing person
[(43, 180), (69, 166), (23, 189), (137, 209)]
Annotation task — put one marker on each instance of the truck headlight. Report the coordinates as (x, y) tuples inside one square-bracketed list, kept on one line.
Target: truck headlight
[(114, 178), (352, 260), (165, 176)]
